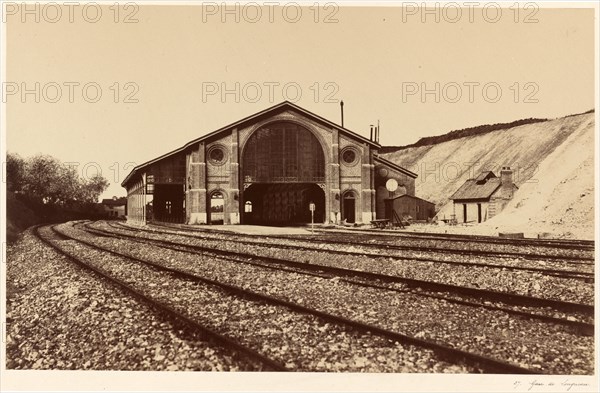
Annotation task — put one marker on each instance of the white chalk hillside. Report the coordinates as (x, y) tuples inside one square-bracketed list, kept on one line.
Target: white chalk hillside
[(554, 170)]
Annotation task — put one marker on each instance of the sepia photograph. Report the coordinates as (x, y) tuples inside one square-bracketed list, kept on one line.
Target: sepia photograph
[(320, 196)]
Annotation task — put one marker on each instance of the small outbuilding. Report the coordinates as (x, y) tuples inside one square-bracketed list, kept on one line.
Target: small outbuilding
[(480, 199), (409, 207), (115, 207)]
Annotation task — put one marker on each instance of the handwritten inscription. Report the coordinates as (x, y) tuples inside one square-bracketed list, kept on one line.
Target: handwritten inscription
[(558, 386)]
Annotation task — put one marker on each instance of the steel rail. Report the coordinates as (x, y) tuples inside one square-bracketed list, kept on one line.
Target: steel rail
[(509, 298), (355, 242), (204, 331), (550, 243), (445, 352), (583, 327), (571, 274)]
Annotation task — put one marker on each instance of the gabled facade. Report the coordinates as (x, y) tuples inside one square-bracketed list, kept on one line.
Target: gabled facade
[(480, 199), (270, 168)]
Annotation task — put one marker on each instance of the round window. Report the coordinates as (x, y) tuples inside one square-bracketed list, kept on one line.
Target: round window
[(216, 155), (349, 156)]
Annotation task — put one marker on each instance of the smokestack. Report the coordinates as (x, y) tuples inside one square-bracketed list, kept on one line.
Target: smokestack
[(342, 110), (377, 130), (371, 138), (377, 134), (506, 179)]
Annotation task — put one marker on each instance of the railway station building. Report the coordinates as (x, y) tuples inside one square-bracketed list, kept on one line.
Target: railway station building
[(281, 166)]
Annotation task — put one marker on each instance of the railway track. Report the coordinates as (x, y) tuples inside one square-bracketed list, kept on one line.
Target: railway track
[(477, 361), (466, 295), (376, 253), (584, 276), (203, 331), (342, 240), (550, 243)]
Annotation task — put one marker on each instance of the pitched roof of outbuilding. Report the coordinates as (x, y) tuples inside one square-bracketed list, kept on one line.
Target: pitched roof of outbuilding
[(279, 107), (483, 176), (115, 202), (411, 197), (478, 189)]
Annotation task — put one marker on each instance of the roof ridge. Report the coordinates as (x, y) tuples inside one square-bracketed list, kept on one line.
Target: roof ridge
[(245, 119)]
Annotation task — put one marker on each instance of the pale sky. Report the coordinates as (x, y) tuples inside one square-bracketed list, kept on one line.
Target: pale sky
[(368, 57)]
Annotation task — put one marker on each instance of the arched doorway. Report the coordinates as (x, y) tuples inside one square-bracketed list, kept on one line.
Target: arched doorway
[(216, 208), (349, 207), (283, 204), (282, 168)]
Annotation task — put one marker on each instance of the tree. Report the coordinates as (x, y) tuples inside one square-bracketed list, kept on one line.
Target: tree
[(49, 191), (15, 172), (49, 181), (91, 189)]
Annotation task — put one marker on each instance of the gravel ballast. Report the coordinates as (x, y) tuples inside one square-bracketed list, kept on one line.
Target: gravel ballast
[(62, 317), (492, 333), (496, 279), (398, 239), (299, 341)]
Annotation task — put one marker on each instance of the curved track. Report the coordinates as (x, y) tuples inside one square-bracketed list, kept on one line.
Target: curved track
[(484, 363), (380, 280), (205, 332)]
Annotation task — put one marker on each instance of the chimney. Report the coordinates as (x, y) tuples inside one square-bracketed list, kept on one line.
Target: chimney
[(342, 110), (377, 134), (371, 138), (506, 179)]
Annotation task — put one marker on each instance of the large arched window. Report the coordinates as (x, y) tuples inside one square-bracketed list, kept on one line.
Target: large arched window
[(283, 152)]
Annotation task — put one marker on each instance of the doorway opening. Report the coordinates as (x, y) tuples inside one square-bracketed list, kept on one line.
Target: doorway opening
[(216, 208), (349, 207), (283, 204)]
